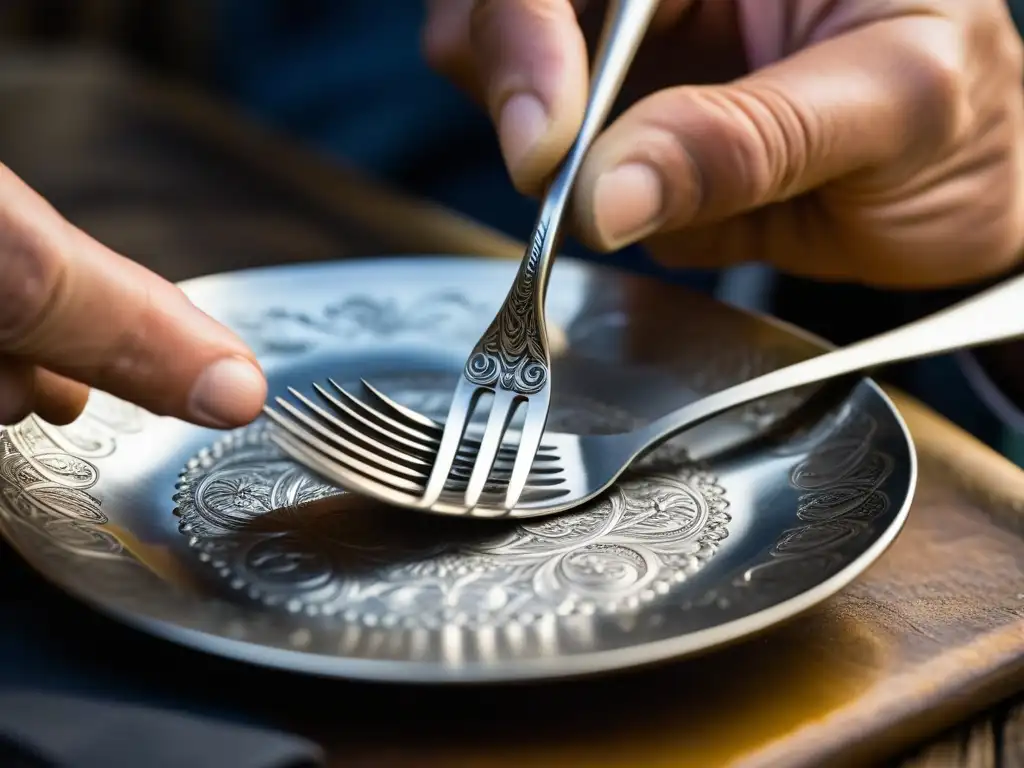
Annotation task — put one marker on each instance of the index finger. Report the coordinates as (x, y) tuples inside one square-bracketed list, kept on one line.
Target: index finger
[(532, 60), (74, 307)]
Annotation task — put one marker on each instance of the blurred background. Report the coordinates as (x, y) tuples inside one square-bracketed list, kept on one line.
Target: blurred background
[(346, 80), (101, 114), (168, 36)]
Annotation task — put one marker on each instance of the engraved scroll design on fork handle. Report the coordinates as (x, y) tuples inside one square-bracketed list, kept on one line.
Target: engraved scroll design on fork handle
[(512, 355)]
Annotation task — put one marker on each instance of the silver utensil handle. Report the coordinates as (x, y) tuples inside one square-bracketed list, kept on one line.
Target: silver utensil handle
[(994, 315), (626, 22), (513, 352)]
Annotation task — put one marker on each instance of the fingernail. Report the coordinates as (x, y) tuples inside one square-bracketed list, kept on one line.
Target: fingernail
[(228, 393), (628, 202), (523, 123)]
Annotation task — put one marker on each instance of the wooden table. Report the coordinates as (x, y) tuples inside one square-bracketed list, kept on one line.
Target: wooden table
[(994, 740), (933, 633)]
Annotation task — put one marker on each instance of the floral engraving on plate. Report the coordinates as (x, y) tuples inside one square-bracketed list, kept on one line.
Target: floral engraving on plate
[(841, 495), (248, 527), (47, 474), (359, 319), (239, 500)]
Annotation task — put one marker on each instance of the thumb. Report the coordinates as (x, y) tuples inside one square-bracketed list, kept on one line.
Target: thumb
[(531, 59), (71, 306), (691, 156)]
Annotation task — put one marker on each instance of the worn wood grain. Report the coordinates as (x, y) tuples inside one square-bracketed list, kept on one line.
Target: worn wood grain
[(994, 740), (946, 753), (1013, 737)]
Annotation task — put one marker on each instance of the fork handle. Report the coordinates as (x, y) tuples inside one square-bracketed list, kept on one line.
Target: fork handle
[(513, 353), (994, 315), (625, 24)]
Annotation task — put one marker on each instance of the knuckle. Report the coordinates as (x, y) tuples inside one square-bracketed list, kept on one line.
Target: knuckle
[(1007, 49), (1013, 53), (504, 32), (484, 16), (775, 141), (994, 40), (32, 283), (756, 151), (943, 95), (437, 45), (131, 351)]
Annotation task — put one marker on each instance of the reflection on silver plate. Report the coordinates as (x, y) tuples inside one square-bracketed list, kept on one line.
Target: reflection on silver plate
[(217, 541)]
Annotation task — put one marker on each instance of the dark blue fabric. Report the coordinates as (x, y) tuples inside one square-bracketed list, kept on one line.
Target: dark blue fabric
[(49, 642), (65, 731), (348, 78)]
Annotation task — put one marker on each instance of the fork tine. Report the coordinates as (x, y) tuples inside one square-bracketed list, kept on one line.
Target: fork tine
[(466, 453), (354, 448), (388, 407), (371, 438), (386, 457), (428, 425), (529, 441), (313, 445), (379, 441), (353, 475), (374, 451), (502, 410), (461, 409), (369, 422), (344, 477), (424, 449), (416, 434)]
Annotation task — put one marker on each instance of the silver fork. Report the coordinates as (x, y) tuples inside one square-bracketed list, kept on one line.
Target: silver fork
[(572, 469), (512, 361)]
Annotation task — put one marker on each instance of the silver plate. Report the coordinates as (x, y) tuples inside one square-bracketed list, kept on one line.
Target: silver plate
[(205, 537)]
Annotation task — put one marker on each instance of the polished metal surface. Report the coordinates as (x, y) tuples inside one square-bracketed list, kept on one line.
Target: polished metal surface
[(509, 368), (376, 446), (221, 542)]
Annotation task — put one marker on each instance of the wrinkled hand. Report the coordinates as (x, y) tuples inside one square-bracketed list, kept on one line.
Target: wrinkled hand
[(74, 315), (878, 141)]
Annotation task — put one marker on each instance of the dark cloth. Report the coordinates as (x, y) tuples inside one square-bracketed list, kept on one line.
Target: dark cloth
[(76, 686), (60, 731)]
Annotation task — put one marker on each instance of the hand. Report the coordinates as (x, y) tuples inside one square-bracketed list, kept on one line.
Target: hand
[(877, 141), (74, 315)]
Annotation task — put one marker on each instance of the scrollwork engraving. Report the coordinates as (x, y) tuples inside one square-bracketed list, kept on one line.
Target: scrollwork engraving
[(618, 562), (512, 354), (47, 475), (237, 500), (841, 483), (358, 319)]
